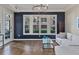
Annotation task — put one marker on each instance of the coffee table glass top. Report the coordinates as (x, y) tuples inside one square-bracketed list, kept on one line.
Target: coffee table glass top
[(47, 42)]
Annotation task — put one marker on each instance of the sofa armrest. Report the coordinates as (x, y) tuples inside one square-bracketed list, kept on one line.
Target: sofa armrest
[(63, 42)]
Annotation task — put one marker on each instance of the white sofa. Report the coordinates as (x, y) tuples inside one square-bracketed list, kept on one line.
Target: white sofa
[(71, 40), (69, 46), (67, 50)]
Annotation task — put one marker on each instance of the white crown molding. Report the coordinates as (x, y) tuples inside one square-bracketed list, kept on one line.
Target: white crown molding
[(40, 11), (13, 8), (69, 7)]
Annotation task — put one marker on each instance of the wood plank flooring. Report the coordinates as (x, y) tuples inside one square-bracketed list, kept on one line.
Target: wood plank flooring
[(28, 47)]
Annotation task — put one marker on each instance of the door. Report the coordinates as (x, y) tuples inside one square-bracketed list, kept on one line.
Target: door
[(7, 29)]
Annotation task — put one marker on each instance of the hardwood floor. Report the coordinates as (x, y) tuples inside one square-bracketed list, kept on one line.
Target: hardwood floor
[(28, 47)]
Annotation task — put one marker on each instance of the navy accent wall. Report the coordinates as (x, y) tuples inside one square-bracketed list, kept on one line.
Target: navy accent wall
[(18, 24)]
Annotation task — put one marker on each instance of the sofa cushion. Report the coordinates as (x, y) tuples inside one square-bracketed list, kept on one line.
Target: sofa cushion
[(69, 36), (63, 42), (61, 35)]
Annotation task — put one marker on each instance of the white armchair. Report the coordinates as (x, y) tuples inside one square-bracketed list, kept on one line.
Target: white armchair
[(62, 40)]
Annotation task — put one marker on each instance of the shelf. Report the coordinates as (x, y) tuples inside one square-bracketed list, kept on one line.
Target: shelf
[(43, 31), (47, 41), (43, 23), (40, 25), (35, 24), (35, 31), (43, 28), (52, 31), (52, 25), (27, 24), (39, 33)]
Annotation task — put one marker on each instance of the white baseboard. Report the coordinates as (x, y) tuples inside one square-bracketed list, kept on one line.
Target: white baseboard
[(31, 39), (27, 39), (5, 43)]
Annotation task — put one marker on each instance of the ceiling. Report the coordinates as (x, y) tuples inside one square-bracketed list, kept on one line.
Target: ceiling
[(28, 7)]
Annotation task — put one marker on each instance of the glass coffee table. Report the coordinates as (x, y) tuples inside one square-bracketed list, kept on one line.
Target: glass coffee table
[(47, 43)]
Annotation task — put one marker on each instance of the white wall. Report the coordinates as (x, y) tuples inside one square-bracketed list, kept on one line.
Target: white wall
[(0, 19), (3, 12), (70, 18)]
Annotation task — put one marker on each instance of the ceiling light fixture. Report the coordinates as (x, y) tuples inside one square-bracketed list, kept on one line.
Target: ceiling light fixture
[(40, 7)]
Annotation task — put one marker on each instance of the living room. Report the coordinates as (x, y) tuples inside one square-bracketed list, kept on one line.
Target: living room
[(39, 29)]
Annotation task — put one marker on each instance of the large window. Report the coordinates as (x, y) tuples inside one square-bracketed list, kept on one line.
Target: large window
[(39, 24)]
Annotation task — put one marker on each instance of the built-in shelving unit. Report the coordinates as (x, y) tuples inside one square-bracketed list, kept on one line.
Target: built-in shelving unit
[(39, 24)]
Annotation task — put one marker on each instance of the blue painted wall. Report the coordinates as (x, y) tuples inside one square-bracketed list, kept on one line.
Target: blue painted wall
[(18, 24)]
